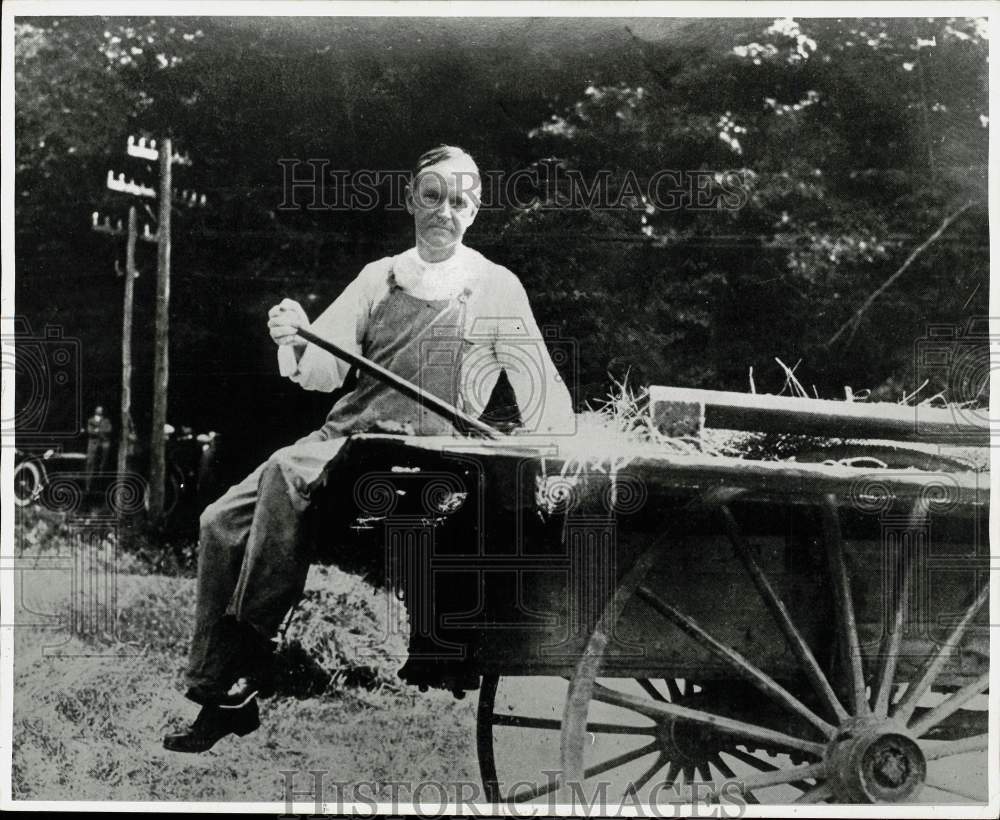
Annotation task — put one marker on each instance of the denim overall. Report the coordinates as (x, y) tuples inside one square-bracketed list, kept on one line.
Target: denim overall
[(253, 560)]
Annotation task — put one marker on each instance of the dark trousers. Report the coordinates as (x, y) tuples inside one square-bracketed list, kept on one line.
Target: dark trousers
[(252, 559), (98, 451)]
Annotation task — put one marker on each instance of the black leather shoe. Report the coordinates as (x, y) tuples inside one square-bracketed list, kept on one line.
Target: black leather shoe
[(212, 724)]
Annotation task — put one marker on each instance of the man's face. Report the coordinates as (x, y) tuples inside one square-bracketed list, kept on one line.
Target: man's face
[(444, 200)]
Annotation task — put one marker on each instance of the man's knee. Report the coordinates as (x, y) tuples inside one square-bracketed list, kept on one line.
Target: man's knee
[(281, 474), (221, 520), (213, 521)]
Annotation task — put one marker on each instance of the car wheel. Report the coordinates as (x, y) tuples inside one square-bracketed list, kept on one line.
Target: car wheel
[(28, 480)]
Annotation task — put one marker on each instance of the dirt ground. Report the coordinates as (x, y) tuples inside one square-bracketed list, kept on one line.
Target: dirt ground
[(91, 703)]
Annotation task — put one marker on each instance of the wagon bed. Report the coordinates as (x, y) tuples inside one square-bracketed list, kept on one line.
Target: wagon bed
[(807, 631)]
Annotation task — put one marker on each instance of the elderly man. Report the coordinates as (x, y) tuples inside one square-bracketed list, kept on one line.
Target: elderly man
[(252, 562)]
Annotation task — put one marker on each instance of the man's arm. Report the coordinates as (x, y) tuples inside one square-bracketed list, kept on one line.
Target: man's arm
[(542, 396), (343, 323)]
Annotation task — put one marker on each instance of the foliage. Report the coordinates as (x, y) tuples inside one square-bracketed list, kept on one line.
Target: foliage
[(849, 142), (833, 148)]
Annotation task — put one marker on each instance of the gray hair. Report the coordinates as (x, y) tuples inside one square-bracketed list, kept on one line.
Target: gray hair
[(439, 153)]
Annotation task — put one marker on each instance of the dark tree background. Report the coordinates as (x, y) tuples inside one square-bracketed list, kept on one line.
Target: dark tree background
[(852, 141)]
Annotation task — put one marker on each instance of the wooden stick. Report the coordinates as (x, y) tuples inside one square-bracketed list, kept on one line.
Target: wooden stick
[(855, 320), (407, 388)]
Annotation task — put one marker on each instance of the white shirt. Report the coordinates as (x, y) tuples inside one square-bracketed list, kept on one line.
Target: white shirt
[(500, 332)]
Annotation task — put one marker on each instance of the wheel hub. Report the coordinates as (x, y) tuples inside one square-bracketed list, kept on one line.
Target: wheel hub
[(687, 742), (878, 763)]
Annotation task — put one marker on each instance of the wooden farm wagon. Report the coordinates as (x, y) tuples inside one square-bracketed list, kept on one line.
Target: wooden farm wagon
[(650, 619)]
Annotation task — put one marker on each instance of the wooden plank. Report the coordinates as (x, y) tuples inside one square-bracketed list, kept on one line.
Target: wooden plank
[(689, 410), (784, 481)]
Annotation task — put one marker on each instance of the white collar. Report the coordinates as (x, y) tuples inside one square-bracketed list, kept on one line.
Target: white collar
[(433, 280)]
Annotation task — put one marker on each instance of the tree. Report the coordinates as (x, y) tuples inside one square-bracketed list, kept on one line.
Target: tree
[(850, 142)]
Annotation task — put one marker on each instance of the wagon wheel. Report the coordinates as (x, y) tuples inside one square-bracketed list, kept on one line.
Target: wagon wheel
[(29, 481), (518, 732), (873, 748)]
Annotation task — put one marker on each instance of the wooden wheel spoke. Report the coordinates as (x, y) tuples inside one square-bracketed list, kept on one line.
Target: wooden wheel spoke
[(648, 775), (889, 649), (751, 760), (779, 611), (951, 705), (619, 729), (673, 770), (729, 774), (746, 669), (934, 783), (655, 709), (817, 794), (648, 708), (524, 722), (773, 776), (723, 767), (844, 602), (932, 667), (620, 760), (704, 772), (651, 690), (524, 795), (779, 777), (950, 748), (674, 689)]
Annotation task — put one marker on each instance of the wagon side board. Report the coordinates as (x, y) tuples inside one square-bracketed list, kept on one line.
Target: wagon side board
[(498, 577)]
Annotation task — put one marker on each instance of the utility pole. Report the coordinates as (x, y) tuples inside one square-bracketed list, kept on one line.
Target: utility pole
[(166, 159), (130, 273), (157, 441), (125, 433)]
